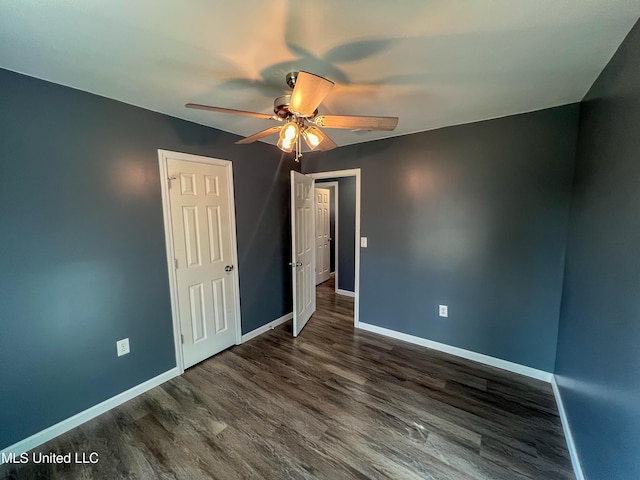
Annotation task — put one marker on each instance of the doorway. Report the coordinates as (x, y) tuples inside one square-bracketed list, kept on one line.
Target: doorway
[(303, 251), (200, 232), (335, 176)]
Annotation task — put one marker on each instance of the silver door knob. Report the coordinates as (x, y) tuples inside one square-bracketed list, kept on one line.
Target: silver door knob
[(228, 268)]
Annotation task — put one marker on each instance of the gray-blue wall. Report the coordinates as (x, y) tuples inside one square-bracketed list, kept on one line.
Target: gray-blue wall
[(82, 250), (346, 231), (598, 361), (474, 217)]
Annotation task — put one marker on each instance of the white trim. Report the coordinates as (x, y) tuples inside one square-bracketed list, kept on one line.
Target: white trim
[(356, 287), (460, 352), (163, 157), (335, 186), (265, 328), (88, 414), (234, 248), (173, 291), (354, 172), (573, 452), (346, 293)]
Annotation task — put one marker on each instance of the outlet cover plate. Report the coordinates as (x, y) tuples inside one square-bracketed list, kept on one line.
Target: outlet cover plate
[(122, 346), (443, 310)]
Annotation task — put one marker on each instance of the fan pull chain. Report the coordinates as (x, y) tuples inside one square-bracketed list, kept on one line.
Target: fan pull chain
[(298, 148)]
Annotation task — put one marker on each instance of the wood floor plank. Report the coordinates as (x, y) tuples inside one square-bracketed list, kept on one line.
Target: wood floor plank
[(334, 403)]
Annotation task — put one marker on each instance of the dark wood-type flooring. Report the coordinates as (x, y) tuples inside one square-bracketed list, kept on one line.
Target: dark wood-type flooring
[(330, 404)]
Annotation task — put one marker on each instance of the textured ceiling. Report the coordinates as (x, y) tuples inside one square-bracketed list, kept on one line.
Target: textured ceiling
[(431, 63)]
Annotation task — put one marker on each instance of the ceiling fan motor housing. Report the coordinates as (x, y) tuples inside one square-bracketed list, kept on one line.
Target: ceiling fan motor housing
[(281, 106)]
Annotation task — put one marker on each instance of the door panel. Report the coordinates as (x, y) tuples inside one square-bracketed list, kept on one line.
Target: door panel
[(215, 234), (201, 209), (303, 250)]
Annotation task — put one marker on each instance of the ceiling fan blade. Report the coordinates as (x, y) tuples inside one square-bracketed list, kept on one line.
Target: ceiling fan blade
[(230, 110), (309, 92), (259, 135), (326, 143), (356, 122)]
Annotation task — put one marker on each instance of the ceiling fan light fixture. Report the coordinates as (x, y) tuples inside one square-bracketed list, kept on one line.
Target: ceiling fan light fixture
[(290, 131), (288, 137), (312, 136), (286, 145)]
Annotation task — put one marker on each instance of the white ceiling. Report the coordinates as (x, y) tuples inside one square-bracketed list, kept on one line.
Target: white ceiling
[(431, 63)]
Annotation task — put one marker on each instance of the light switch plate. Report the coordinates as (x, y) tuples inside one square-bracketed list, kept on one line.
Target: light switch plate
[(363, 242)]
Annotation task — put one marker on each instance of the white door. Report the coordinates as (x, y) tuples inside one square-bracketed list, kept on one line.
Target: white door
[(302, 250), (323, 254), (201, 209)]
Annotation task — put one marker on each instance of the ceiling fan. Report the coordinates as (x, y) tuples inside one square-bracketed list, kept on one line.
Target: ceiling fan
[(299, 113)]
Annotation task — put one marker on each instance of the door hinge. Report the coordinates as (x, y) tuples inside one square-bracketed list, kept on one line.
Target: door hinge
[(175, 263), (182, 338)]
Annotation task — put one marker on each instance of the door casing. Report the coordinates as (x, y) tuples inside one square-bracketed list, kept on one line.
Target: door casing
[(163, 156)]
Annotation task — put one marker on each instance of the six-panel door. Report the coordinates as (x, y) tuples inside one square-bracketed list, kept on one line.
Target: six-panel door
[(323, 254), (201, 212)]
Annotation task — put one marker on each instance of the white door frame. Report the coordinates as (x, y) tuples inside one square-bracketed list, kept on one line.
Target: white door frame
[(335, 239), (355, 172), (163, 156)]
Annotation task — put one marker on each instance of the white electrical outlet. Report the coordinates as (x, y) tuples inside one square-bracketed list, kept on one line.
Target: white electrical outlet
[(122, 346), (443, 310), (363, 242)]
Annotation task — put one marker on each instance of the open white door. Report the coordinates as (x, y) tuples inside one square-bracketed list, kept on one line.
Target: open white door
[(302, 250)]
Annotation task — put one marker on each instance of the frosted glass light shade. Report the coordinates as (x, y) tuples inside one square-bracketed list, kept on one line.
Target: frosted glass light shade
[(312, 136)]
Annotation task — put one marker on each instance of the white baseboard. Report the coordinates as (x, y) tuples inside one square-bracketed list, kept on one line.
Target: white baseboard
[(460, 352), (575, 461), (346, 293), (86, 415), (265, 328)]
